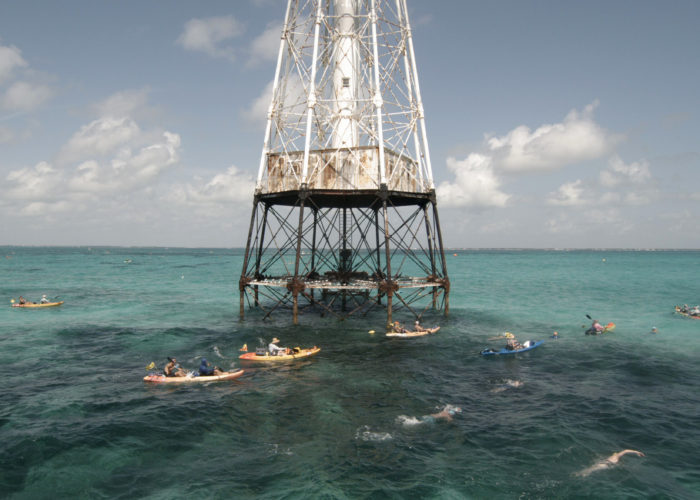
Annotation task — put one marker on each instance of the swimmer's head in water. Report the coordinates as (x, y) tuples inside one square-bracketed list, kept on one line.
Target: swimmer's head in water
[(453, 409)]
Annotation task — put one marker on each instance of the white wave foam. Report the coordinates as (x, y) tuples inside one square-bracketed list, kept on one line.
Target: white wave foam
[(409, 421), (364, 433)]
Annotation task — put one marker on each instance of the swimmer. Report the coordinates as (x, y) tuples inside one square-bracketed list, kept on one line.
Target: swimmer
[(446, 414), (608, 462), (508, 384), (555, 335), (506, 335), (653, 330)]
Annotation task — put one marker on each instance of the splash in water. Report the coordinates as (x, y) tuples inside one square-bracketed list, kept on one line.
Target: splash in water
[(447, 412), (364, 433), (508, 384), (606, 463)]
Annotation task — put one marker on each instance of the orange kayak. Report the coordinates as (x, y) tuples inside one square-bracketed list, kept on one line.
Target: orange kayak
[(303, 353), (162, 379)]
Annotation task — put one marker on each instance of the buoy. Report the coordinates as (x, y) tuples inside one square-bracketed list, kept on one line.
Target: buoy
[(454, 254), (371, 332)]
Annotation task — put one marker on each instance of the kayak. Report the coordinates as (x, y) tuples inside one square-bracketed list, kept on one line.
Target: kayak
[(48, 304), (162, 379), (303, 353), (678, 310), (408, 335), (528, 346), (608, 328)]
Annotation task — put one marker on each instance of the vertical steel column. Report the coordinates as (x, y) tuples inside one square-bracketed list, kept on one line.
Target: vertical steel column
[(313, 251), (419, 101), (261, 244), (242, 284), (343, 250), (388, 278), (311, 100), (295, 280), (444, 260), (430, 249), (377, 99), (275, 85), (379, 253)]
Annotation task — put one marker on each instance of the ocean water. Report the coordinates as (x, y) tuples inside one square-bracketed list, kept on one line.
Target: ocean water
[(77, 421)]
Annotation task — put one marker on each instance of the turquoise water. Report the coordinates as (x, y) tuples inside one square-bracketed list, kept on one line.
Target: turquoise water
[(77, 421)]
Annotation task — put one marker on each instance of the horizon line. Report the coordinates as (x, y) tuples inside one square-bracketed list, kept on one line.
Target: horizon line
[(447, 249)]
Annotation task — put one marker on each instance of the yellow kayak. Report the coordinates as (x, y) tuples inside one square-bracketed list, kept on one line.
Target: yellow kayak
[(162, 379), (32, 305), (408, 335), (293, 354)]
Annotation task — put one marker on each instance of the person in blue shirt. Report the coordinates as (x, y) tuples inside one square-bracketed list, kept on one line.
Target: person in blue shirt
[(206, 369)]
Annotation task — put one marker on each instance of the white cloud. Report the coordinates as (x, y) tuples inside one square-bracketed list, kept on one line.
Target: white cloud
[(228, 188), (100, 137), (621, 173), (569, 194), (109, 156), (33, 183), (25, 96), (577, 138), (10, 58), (256, 113), (295, 102), (475, 184), (123, 104), (210, 36), (127, 171), (265, 47), (42, 208)]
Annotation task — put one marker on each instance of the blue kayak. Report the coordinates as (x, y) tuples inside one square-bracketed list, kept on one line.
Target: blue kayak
[(529, 346)]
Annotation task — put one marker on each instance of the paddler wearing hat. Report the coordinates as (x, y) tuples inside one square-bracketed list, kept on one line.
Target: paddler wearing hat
[(44, 300), (274, 349)]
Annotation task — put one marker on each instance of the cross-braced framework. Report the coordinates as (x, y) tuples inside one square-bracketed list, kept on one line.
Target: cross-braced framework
[(344, 215)]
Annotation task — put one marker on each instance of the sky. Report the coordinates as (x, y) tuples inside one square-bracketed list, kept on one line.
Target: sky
[(551, 124)]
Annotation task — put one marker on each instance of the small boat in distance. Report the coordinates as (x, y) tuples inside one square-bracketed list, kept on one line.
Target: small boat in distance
[(32, 305)]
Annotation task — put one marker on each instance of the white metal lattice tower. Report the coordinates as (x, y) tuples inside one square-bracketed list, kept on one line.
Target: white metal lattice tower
[(346, 156)]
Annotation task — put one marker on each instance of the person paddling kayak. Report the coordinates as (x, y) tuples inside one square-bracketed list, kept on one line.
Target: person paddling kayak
[(205, 369), (595, 328), (173, 369), (274, 349)]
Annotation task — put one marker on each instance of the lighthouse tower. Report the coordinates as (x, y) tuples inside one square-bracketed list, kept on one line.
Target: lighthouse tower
[(344, 215)]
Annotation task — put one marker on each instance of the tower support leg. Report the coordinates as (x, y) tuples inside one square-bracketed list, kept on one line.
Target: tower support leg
[(242, 284)]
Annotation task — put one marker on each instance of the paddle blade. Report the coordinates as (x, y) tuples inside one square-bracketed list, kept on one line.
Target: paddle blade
[(12, 301), (588, 317), (610, 326), (244, 348), (151, 366)]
